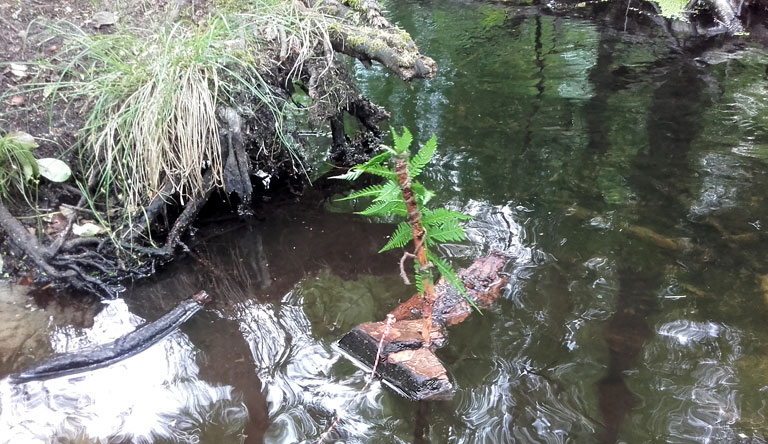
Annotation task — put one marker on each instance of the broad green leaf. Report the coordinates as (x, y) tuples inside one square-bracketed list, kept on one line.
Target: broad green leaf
[(22, 140), (400, 237), (357, 170), (381, 171), (28, 164), (350, 175), (54, 169)]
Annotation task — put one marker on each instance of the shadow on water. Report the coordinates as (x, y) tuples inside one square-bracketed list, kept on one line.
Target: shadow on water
[(660, 187)]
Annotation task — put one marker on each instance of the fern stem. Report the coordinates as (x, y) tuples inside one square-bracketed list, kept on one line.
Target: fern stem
[(419, 235)]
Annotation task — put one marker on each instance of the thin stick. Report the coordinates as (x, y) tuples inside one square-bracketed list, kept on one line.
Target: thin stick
[(390, 321)]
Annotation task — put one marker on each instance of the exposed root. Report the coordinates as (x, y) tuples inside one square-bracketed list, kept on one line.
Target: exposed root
[(46, 261)]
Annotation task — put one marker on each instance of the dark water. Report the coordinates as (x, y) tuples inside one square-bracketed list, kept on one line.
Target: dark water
[(627, 183)]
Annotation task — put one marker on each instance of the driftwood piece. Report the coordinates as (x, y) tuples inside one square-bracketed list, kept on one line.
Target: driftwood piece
[(406, 365), (122, 348), (362, 32)]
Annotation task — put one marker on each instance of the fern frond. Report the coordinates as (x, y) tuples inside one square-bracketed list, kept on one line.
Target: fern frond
[(384, 208), (373, 166), (450, 231), (399, 238), (350, 175), (418, 279), (423, 195), (374, 190), (432, 218), (390, 192), (381, 171), (402, 143), (451, 276), (419, 276), (422, 158)]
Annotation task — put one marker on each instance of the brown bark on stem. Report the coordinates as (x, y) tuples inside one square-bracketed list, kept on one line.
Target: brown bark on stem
[(420, 250)]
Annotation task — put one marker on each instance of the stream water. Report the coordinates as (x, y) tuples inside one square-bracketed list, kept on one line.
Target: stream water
[(625, 181)]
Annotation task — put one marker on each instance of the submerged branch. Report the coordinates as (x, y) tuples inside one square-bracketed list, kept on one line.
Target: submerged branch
[(122, 348)]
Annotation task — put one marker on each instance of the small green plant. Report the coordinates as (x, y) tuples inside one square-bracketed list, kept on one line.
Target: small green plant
[(404, 197), (17, 164)]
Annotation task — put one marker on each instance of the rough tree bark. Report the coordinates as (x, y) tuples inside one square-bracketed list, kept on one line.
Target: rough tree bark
[(419, 237)]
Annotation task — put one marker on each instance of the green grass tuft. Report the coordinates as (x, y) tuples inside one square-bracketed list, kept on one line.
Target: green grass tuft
[(153, 96)]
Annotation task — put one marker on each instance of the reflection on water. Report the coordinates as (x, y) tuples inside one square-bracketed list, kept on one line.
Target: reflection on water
[(627, 185)]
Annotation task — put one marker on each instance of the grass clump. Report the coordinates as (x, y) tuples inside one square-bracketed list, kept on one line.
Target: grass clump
[(17, 164), (153, 95)]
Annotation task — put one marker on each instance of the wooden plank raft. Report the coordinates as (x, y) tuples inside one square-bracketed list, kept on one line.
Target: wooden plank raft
[(405, 364)]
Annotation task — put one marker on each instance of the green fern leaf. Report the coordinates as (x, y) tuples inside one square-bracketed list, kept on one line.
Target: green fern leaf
[(422, 158), (450, 231), (402, 143), (381, 171), (374, 190), (390, 192), (373, 166), (418, 279), (399, 238), (384, 208), (350, 175), (450, 275), (441, 215), (423, 195)]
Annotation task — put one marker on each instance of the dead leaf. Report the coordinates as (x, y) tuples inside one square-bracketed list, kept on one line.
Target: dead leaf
[(17, 100), (87, 229), (57, 224), (18, 70), (66, 212), (103, 18)]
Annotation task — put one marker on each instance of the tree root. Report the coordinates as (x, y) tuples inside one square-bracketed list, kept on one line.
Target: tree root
[(47, 262), (188, 215)]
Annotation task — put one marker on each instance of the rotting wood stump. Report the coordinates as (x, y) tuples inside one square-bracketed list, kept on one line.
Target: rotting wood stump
[(405, 364)]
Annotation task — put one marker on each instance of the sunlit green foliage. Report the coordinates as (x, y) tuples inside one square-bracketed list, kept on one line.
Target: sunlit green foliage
[(672, 8)]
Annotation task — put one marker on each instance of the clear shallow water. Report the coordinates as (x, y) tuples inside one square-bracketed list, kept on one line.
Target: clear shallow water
[(627, 183)]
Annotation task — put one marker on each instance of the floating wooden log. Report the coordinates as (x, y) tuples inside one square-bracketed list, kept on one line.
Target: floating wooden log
[(405, 364), (123, 347)]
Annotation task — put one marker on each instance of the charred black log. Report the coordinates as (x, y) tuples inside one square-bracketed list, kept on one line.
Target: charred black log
[(122, 348)]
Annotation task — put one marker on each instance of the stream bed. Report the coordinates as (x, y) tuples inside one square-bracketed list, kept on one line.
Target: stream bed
[(626, 182)]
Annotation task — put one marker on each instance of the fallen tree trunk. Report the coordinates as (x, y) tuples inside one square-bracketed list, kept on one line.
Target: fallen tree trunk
[(405, 364), (363, 33), (122, 348)]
